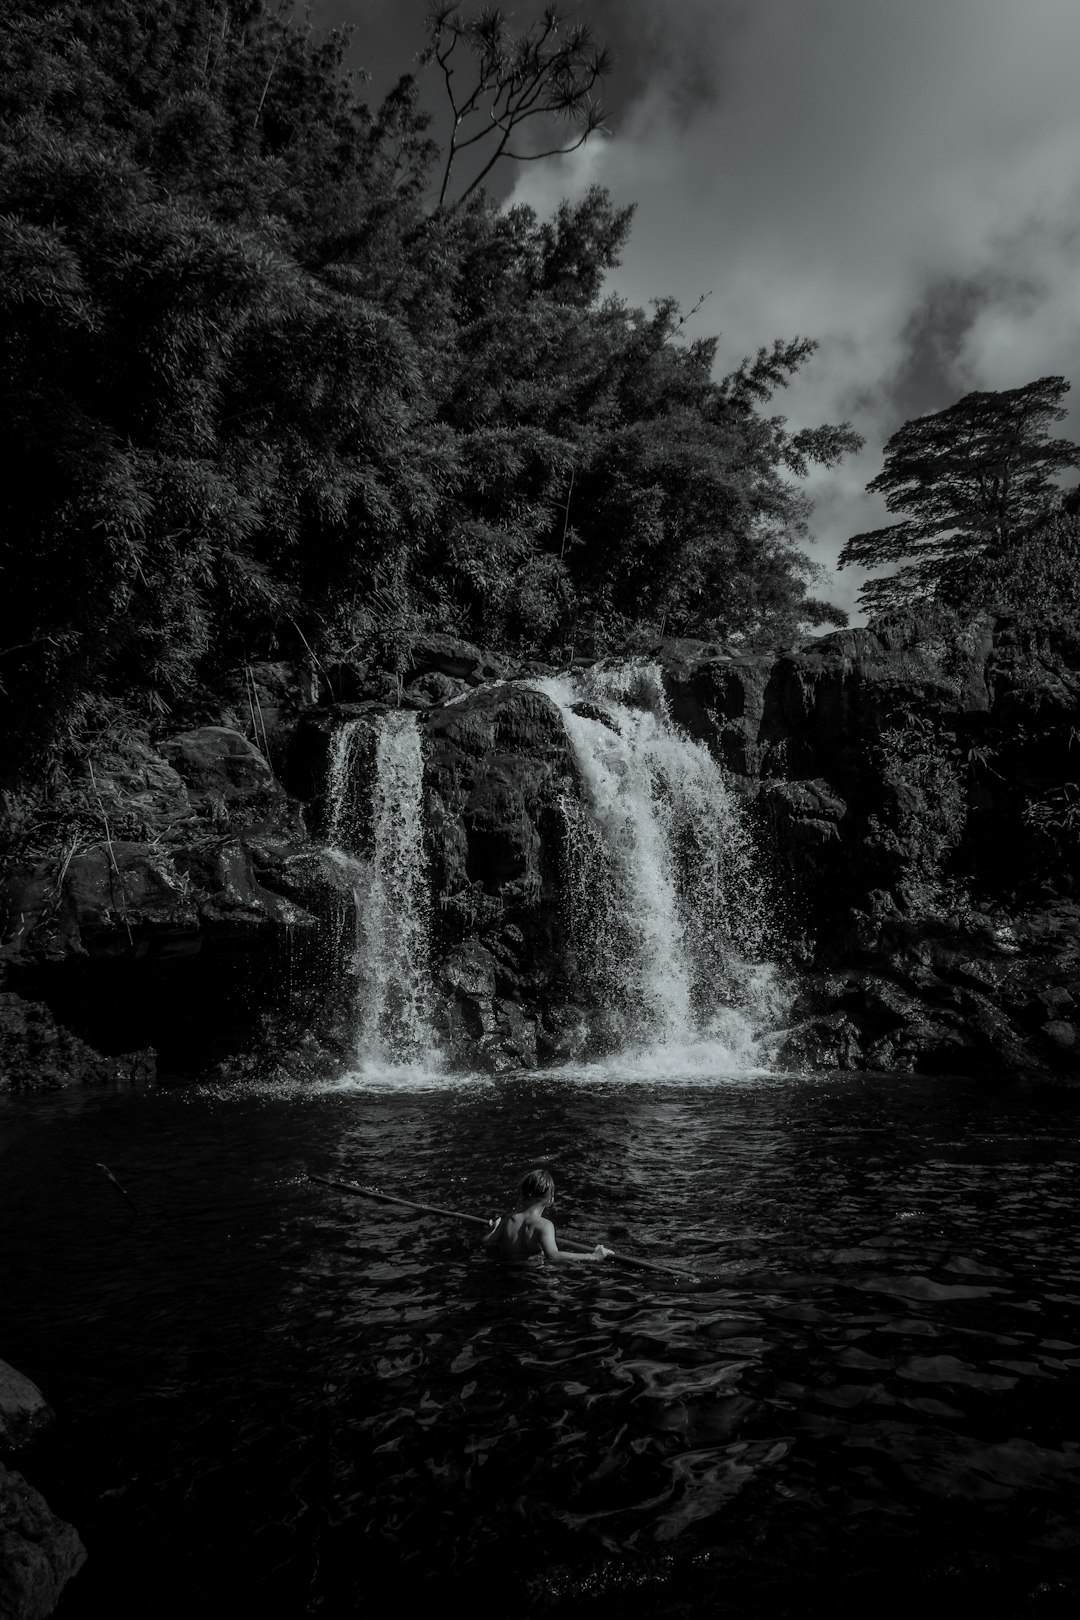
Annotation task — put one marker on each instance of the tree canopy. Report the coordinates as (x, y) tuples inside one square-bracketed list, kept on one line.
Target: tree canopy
[(973, 478), (260, 398)]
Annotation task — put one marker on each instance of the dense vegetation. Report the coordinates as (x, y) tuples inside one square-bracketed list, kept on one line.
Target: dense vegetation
[(263, 391)]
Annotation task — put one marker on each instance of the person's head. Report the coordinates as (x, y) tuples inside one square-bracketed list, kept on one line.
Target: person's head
[(537, 1184)]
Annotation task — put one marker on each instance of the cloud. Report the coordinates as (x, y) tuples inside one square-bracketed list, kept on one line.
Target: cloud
[(899, 181)]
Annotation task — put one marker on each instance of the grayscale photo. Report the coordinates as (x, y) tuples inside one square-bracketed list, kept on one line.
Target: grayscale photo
[(539, 809)]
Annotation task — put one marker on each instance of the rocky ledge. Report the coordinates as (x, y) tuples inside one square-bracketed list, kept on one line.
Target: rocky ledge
[(914, 789)]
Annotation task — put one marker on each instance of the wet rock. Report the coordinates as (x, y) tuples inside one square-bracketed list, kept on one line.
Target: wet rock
[(515, 1036), (497, 767), (39, 1553), (24, 1411), (563, 1035), (830, 1041), (720, 699), (593, 711), (469, 973), (39, 1054)]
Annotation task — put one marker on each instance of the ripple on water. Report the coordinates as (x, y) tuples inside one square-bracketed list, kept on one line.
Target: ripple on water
[(874, 1374)]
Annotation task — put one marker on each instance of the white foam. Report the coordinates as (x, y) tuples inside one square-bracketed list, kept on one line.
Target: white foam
[(382, 858)]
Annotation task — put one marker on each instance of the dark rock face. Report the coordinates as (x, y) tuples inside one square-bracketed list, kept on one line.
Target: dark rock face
[(495, 769), (24, 1411), (915, 788), (39, 1553), (915, 783), (38, 1054), (188, 872)]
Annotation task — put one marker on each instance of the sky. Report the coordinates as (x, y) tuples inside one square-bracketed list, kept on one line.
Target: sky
[(897, 179)]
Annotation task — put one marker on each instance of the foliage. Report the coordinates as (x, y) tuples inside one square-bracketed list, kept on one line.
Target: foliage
[(1038, 579), (260, 402), (923, 769), (549, 71), (973, 477)]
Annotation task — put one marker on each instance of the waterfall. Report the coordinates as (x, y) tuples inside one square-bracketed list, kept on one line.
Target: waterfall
[(665, 911), (375, 837)]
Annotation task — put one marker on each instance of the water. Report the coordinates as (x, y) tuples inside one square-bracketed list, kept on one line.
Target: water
[(379, 848), (667, 920), (667, 913), (274, 1397)]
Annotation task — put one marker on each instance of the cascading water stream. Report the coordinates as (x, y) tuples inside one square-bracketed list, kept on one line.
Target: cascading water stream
[(375, 836), (666, 913), (666, 917)]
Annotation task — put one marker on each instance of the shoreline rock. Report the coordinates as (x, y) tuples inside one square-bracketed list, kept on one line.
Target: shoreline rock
[(39, 1553)]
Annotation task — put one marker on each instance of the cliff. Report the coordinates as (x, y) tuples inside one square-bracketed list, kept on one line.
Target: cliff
[(914, 791)]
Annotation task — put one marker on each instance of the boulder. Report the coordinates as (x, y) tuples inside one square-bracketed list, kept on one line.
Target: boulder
[(460, 660), (227, 778), (497, 767), (39, 1553), (24, 1411)]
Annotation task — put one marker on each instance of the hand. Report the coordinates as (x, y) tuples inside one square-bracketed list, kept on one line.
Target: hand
[(600, 1253)]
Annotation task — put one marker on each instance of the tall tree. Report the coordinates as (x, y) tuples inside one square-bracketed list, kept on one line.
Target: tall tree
[(972, 477), (257, 396)]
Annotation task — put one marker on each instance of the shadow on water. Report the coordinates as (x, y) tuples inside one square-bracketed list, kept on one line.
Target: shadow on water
[(274, 1398)]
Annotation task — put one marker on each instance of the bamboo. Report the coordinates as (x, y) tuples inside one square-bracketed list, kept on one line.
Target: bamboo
[(568, 1243)]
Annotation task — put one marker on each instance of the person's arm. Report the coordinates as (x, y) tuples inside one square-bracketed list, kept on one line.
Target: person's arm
[(495, 1232), (556, 1256)]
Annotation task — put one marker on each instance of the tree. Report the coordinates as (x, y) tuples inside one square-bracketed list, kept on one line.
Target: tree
[(549, 71), (973, 477), (258, 398)]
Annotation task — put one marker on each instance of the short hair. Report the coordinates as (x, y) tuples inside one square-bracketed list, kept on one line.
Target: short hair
[(538, 1184)]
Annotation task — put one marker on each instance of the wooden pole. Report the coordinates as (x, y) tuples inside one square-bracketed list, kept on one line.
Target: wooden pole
[(568, 1243)]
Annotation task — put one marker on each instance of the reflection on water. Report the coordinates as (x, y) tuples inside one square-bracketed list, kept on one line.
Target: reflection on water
[(274, 1395)]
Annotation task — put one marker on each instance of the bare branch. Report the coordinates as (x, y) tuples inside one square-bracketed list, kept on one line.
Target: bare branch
[(549, 70)]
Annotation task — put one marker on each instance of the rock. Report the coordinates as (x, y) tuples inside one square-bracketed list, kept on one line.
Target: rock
[(138, 790), (435, 688), (516, 1034), (563, 1035), (830, 1041), (225, 774), (24, 1411), (38, 1054), (445, 655), (914, 785), (469, 972), (39, 1553), (497, 766), (1060, 1034), (266, 699)]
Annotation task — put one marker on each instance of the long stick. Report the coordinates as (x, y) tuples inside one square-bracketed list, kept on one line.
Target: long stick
[(478, 1220), (121, 1190)]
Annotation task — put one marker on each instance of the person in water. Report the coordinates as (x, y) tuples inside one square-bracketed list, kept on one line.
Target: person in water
[(525, 1233)]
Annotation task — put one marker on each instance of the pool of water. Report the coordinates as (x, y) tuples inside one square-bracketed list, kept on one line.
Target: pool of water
[(274, 1397)]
